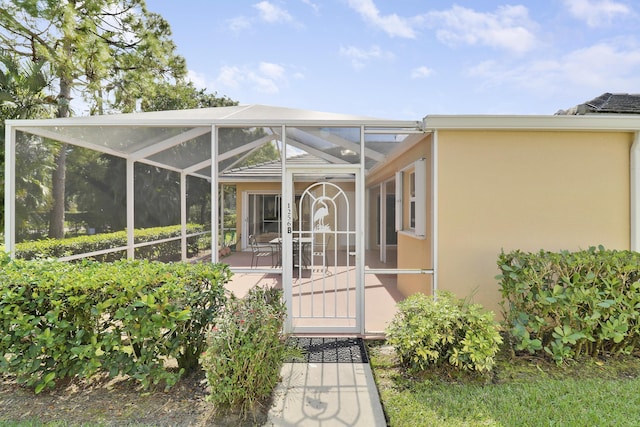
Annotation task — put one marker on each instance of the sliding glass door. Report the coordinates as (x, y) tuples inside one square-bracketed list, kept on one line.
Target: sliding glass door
[(264, 216)]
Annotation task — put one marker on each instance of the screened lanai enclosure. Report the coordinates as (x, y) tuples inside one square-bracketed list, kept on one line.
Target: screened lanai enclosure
[(307, 201)]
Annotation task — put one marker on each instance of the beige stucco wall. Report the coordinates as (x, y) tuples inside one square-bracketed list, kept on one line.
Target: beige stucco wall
[(414, 253), (525, 190)]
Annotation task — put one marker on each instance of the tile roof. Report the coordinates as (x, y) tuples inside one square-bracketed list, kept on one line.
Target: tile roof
[(267, 171), (607, 103)]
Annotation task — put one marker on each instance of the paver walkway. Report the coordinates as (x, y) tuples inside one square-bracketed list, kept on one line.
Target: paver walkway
[(332, 386)]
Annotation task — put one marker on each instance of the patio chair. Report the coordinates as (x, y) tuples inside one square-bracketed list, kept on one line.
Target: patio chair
[(321, 243), (260, 250)]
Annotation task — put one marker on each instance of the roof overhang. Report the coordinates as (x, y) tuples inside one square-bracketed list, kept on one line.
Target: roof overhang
[(240, 115), (165, 138), (617, 122)]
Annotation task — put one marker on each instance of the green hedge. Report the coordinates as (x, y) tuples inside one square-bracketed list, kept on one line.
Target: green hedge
[(570, 304), (62, 320), (168, 251)]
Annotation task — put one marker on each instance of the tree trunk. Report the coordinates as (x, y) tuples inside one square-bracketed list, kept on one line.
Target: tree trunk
[(58, 177), (56, 219)]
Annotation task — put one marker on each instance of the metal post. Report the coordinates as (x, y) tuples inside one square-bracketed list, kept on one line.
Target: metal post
[(214, 194), (286, 256), (183, 216), (130, 209), (360, 246), (10, 190)]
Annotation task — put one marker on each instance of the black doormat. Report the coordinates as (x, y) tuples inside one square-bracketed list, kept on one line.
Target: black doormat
[(329, 350)]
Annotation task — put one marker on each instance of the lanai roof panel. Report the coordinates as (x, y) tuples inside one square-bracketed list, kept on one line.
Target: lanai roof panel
[(181, 139)]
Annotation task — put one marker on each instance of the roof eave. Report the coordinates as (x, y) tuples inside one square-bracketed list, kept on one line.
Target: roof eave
[(617, 122), (135, 122)]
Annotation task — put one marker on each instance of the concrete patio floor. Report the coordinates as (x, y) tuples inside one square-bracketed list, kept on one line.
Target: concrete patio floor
[(380, 292)]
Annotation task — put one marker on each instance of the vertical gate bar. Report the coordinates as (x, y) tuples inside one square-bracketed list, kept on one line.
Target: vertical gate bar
[(348, 290)]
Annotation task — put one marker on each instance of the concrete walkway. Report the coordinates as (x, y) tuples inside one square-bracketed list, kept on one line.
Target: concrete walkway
[(326, 394)]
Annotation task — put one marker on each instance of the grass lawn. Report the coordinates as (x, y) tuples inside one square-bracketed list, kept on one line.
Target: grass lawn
[(520, 392)]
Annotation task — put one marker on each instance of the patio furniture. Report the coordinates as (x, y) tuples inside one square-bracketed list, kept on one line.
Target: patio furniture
[(260, 250), (321, 242), (300, 245), (277, 244)]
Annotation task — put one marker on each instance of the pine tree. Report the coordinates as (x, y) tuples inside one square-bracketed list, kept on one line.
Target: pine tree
[(110, 52)]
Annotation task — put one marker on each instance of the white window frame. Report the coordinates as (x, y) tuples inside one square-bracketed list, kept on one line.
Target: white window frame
[(412, 201), (245, 211), (416, 226)]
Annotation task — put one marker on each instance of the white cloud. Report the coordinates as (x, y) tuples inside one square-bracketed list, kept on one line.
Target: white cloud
[(360, 56), (509, 27), (263, 84), (603, 64), (604, 67), (393, 25), (266, 78), (312, 5), (230, 77), (198, 79), (273, 71), (271, 13), (267, 12), (421, 72), (239, 23), (596, 13)]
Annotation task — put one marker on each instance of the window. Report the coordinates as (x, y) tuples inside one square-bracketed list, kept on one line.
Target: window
[(412, 200), (411, 195), (264, 216)]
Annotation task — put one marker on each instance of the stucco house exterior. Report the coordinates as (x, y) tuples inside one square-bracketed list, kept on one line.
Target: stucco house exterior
[(529, 183), (358, 213)]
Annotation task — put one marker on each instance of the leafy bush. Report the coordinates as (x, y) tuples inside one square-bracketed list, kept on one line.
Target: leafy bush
[(569, 304), (66, 320), (167, 251), (445, 330), (246, 350)]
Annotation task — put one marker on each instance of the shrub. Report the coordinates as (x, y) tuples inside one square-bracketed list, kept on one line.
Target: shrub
[(166, 251), (570, 304), (246, 350), (65, 320), (445, 330)]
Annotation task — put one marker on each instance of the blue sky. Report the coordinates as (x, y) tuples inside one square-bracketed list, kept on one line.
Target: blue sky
[(404, 59)]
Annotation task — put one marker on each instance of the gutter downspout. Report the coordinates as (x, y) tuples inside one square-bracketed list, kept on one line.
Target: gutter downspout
[(434, 212), (634, 197)]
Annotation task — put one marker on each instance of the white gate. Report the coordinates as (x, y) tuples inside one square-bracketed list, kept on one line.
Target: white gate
[(321, 281)]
